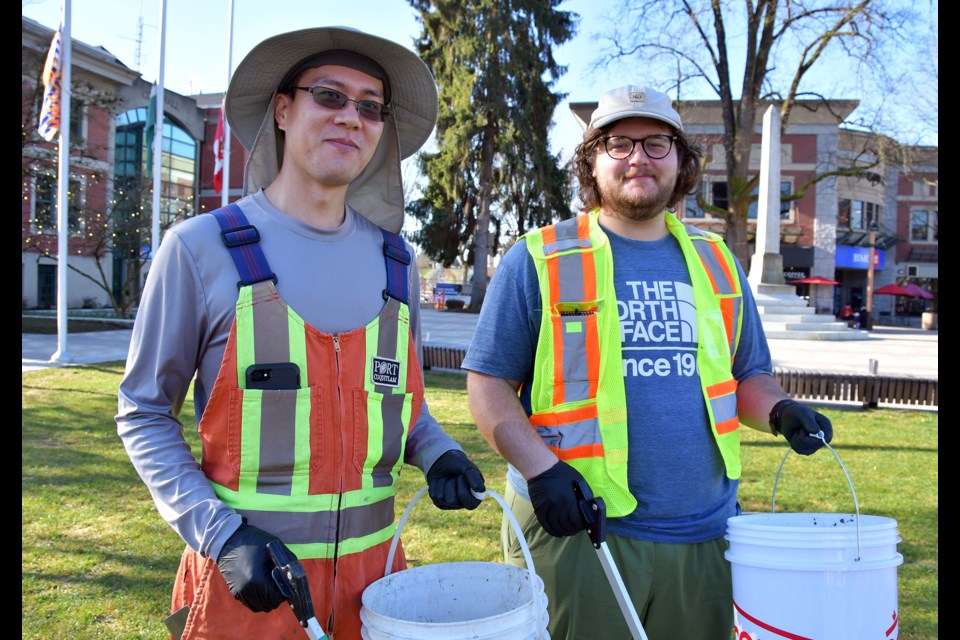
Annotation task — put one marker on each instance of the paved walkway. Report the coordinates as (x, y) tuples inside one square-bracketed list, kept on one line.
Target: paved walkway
[(897, 350)]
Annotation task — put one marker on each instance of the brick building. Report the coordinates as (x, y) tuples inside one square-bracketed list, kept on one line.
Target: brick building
[(826, 232)]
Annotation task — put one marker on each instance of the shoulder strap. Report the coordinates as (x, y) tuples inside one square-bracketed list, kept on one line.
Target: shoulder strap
[(243, 241), (397, 259)]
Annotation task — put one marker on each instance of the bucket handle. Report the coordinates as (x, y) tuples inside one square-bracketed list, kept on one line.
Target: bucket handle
[(856, 504), (480, 496), (506, 510)]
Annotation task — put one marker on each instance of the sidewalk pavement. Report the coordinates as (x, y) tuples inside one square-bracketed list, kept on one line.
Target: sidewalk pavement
[(896, 350)]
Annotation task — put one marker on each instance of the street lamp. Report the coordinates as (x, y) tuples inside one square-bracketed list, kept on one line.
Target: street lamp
[(868, 323)]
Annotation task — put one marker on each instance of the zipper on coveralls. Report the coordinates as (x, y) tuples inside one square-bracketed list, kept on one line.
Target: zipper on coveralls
[(336, 544)]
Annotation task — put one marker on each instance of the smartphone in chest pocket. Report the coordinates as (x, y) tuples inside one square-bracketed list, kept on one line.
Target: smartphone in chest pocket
[(273, 375)]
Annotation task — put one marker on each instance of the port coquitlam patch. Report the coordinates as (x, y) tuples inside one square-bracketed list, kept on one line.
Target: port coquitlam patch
[(386, 372)]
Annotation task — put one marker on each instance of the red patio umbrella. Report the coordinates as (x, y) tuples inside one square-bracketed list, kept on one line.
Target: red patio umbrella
[(814, 280), (894, 290), (918, 291)]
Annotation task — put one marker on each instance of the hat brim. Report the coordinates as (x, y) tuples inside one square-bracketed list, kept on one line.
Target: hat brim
[(631, 113), (414, 92)]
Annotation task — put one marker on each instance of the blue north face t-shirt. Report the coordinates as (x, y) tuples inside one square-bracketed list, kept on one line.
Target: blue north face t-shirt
[(675, 469)]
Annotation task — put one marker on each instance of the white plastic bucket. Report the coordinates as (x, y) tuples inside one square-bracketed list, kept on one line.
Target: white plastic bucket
[(456, 600), (820, 576)]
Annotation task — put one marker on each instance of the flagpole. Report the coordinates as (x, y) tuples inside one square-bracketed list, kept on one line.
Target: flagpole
[(158, 139), (225, 184), (63, 202)]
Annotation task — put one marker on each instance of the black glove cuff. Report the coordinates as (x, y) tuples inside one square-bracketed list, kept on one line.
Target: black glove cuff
[(777, 412)]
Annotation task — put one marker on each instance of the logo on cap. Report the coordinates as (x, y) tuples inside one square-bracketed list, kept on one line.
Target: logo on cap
[(637, 96)]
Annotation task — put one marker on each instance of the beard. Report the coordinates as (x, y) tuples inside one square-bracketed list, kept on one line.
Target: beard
[(646, 205)]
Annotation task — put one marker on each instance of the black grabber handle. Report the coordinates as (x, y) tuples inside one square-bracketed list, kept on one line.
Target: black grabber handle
[(594, 512), (291, 579)]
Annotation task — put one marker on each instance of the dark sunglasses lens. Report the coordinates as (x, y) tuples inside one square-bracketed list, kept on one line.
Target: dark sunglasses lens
[(333, 99), (329, 98), (370, 110)]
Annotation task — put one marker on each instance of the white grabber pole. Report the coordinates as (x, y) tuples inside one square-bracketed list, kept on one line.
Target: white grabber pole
[(291, 579), (594, 512)]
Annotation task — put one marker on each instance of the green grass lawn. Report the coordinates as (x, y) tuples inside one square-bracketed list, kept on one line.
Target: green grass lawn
[(98, 561)]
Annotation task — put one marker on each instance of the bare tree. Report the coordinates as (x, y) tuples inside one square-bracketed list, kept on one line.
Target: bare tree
[(773, 45)]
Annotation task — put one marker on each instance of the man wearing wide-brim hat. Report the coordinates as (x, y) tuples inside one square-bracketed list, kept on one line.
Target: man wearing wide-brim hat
[(295, 310)]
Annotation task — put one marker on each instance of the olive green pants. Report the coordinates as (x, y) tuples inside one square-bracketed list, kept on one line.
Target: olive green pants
[(680, 591)]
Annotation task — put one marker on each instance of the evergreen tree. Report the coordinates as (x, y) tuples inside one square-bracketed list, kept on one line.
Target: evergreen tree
[(494, 65)]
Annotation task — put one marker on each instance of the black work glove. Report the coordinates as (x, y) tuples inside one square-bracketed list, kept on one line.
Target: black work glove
[(799, 424), (246, 565), (555, 502), (452, 480)]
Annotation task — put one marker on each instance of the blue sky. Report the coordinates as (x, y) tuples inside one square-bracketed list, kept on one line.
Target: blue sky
[(196, 54), (197, 42)]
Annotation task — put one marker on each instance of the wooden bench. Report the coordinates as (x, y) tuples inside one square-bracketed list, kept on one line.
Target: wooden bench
[(868, 390)]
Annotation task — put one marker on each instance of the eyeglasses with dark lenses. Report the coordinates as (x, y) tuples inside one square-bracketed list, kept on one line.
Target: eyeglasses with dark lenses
[(333, 99), (621, 147)]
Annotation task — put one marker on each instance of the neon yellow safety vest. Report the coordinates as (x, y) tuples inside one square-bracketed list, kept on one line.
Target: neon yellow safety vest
[(578, 395)]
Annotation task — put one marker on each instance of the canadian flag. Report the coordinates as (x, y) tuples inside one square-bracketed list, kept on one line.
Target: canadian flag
[(218, 143)]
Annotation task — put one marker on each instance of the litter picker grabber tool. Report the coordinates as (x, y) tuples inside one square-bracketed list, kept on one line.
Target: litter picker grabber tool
[(291, 579), (594, 512)]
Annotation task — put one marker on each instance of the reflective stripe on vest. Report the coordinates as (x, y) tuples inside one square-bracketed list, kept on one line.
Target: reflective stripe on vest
[(276, 484), (316, 465), (726, 284), (571, 276), (578, 397), (718, 298)]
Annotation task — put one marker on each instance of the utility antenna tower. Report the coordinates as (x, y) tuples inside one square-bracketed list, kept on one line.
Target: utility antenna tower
[(137, 54)]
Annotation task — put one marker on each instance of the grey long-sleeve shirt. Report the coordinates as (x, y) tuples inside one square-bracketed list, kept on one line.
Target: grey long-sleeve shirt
[(333, 279)]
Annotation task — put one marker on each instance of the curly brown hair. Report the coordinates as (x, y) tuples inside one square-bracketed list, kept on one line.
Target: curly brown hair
[(688, 174)]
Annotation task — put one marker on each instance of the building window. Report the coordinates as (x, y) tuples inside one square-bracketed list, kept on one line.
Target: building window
[(857, 214), (178, 166), (713, 193), (844, 209), (785, 206), (923, 226), (718, 195), (46, 286), (77, 111), (45, 214), (691, 208)]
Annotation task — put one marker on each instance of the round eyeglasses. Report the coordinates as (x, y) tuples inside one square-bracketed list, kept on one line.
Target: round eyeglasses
[(333, 99), (621, 147)]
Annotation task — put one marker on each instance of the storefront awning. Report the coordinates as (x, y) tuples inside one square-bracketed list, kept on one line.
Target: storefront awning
[(860, 238)]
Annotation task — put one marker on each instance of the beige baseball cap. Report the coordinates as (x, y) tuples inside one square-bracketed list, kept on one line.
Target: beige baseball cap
[(633, 101)]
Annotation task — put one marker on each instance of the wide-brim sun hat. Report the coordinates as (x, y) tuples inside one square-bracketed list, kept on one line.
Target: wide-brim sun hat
[(377, 193)]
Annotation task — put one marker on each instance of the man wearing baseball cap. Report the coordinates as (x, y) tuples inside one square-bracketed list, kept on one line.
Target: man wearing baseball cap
[(294, 312), (636, 353)]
